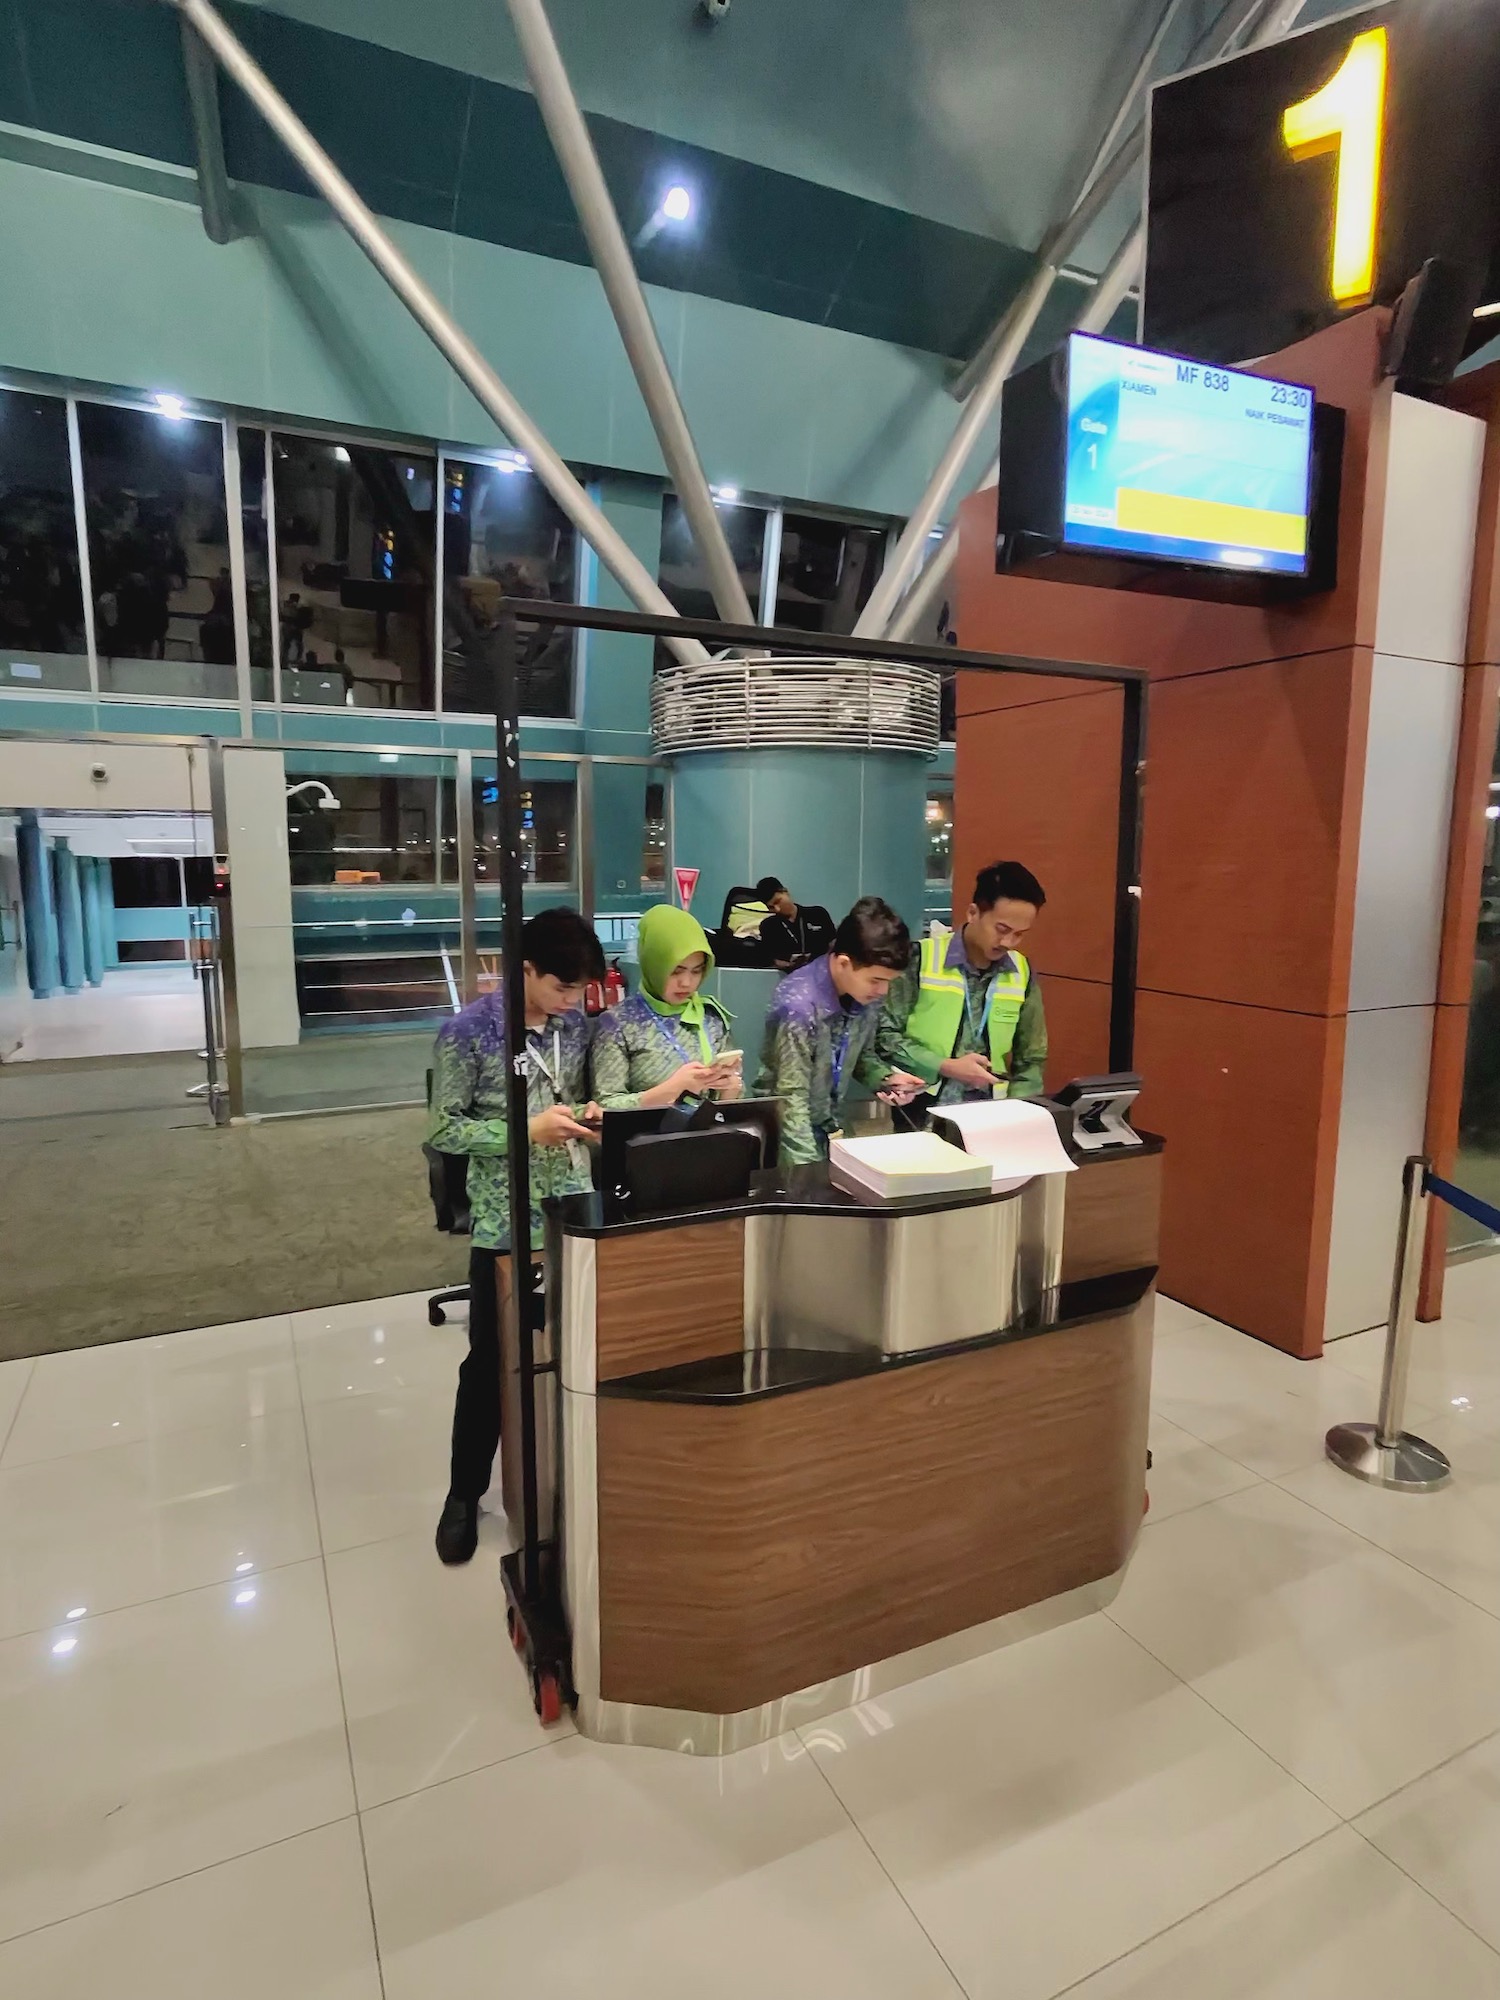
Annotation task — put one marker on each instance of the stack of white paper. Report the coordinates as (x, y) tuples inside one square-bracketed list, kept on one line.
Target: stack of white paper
[(905, 1163), (1016, 1139)]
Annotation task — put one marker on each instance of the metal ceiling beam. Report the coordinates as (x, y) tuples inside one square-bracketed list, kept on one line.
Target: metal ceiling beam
[(215, 196), (574, 148), (446, 335), (892, 601)]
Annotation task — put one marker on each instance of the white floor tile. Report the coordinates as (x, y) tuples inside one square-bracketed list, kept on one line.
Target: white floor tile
[(380, 1464), (1445, 1832), (291, 1920), (1259, 1407), (131, 1389), (640, 1875), (1353, 1671), (1174, 1317), (1186, 1473), (14, 1375), (1452, 1535), (431, 1687), (1047, 1808), (102, 1529), (166, 1738), (1335, 1919), (377, 1348), (1455, 1362)]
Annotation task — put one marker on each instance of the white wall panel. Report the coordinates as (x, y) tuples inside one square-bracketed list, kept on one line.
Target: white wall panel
[(260, 887), (1386, 1057), (1427, 547), (1403, 835), (138, 777)]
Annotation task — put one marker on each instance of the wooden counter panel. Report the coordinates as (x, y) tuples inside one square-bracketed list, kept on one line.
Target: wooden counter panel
[(1113, 1216), (670, 1295), (753, 1549)]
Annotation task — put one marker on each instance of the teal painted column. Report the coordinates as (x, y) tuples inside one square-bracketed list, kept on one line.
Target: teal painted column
[(108, 928), (69, 916), (833, 824), (38, 908), (93, 919), (616, 706)]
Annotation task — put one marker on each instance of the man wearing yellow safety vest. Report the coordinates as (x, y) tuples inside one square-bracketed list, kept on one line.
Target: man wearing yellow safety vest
[(966, 1015)]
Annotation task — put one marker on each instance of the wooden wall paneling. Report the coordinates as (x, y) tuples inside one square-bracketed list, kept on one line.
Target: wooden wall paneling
[(749, 1551), (1247, 1099), (1445, 1088), (670, 1296), (1077, 1028), (1254, 785), (1112, 1221), (1040, 784)]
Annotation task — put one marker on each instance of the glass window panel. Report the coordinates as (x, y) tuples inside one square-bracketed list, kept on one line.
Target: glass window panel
[(654, 849), (682, 573), (827, 572), (252, 444), (940, 836), (158, 552), (549, 824), (42, 641), (505, 536), (378, 828), (355, 557), (146, 881)]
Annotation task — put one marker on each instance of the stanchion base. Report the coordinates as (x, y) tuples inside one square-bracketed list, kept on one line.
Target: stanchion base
[(1411, 1465)]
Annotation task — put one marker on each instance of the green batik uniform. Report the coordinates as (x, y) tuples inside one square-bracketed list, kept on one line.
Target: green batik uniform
[(816, 1044), (941, 1007), (470, 1111), (644, 1040)]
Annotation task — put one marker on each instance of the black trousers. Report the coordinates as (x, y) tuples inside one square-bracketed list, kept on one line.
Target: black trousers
[(476, 1410)]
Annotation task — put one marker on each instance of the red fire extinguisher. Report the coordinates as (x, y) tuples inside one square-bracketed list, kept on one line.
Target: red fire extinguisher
[(601, 994)]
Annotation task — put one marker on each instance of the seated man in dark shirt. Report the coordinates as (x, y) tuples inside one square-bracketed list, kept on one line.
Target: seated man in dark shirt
[(794, 932)]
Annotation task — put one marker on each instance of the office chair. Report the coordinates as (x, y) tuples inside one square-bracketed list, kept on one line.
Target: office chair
[(448, 1184)]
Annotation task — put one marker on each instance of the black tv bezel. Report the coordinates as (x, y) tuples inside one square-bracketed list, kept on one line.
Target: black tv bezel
[(1177, 561)]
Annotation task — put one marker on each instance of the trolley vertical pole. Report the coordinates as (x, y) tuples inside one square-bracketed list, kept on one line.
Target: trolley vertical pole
[(1382, 1453), (1127, 877), (503, 654)]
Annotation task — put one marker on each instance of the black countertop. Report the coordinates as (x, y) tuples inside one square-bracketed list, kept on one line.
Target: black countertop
[(792, 1191), (750, 1376)]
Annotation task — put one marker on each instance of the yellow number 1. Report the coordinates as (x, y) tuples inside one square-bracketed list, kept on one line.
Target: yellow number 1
[(1347, 116)]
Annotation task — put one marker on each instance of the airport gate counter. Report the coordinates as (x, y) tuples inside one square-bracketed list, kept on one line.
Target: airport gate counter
[(814, 1444)]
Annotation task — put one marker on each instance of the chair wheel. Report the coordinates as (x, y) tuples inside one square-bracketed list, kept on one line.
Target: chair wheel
[(436, 1316)]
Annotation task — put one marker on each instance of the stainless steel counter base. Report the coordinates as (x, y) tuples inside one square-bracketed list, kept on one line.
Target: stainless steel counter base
[(703, 1735)]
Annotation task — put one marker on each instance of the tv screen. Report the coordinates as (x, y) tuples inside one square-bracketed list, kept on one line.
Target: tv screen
[(1185, 462)]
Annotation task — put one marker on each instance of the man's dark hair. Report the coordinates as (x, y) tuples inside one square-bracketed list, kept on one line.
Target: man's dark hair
[(1007, 882), (769, 886), (559, 942), (872, 934)]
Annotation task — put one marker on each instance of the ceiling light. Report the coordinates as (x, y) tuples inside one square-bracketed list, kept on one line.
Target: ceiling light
[(677, 203), (1489, 311), (171, 407), (390, 756), (1492, 812), (78, 1611), (341, 453), (728, 494), (62, 1646), (245, 1596)]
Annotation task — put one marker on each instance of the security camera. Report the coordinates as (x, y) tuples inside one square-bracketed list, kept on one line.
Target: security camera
[(714, 9), (99, 773)]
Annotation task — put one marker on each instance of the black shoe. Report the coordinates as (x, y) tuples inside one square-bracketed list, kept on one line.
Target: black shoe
[(457, 1529)]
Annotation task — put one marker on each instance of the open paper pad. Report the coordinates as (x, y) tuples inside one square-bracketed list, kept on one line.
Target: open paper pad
[(1018, 1139)]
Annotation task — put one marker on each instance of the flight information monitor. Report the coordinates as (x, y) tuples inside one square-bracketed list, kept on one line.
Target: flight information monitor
[(1185, 462)]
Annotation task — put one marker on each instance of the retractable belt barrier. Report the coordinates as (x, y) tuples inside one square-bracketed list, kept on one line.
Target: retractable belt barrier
[(1383, 1453)]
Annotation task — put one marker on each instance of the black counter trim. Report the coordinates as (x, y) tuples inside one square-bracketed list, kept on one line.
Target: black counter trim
[(753, 1376)]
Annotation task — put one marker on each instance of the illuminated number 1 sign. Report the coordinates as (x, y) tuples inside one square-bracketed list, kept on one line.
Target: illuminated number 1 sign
[(1347, 116)]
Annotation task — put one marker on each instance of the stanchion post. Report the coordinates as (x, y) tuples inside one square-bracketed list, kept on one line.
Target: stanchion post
[(1383, 1453)]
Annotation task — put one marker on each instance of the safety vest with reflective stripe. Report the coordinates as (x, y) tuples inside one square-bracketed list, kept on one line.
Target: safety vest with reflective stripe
[(939, 1012)]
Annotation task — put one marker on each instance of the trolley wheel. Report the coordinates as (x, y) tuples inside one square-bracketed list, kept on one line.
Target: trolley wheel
[(548, 1697), (435, 1315)]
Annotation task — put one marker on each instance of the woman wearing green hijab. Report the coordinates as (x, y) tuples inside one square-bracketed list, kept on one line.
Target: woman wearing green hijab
[(665, 1043)]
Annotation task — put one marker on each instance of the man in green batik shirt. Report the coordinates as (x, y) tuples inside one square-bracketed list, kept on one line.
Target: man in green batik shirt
[(966, 1015)]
